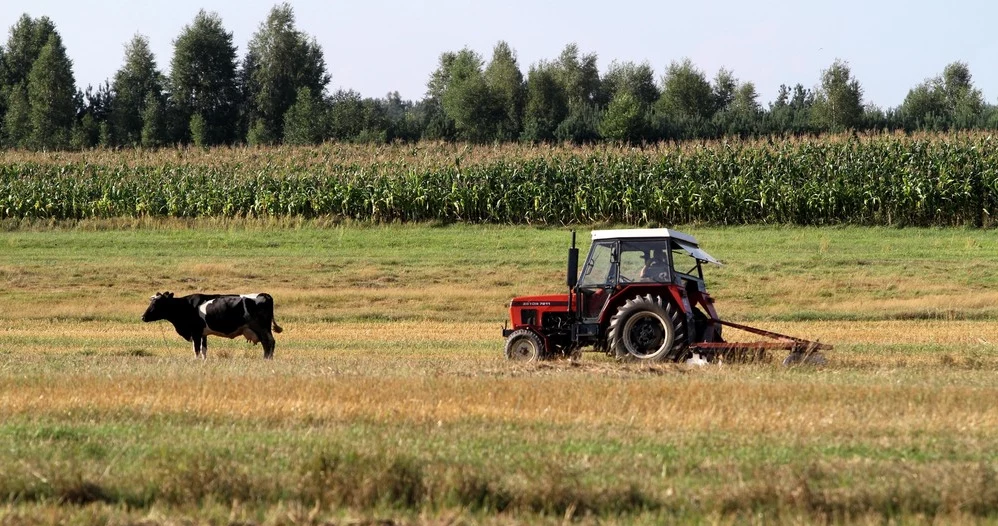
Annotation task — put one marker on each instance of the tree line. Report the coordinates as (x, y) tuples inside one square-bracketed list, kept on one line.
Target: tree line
[(277, 93)]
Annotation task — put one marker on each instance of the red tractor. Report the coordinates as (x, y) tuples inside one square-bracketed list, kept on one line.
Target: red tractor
[(640, 296)]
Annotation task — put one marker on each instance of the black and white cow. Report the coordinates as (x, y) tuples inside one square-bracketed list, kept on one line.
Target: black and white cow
[(199, 315)]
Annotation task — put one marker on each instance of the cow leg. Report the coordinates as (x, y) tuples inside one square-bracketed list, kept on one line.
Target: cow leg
[(268, 345), (197, 346), (204, 347), (267, 340)]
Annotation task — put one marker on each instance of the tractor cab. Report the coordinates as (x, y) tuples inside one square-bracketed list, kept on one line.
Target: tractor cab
[(650, 258)]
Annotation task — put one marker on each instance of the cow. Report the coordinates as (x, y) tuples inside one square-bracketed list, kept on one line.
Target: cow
[(197, 316)]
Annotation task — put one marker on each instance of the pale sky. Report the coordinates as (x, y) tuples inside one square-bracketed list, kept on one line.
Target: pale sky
[(378, 46)]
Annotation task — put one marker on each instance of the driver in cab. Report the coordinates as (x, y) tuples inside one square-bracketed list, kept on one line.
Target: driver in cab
[(656, 267)]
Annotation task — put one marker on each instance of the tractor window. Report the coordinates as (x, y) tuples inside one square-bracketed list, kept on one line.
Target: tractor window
[(686, 265), (598, 267), (644, 261)]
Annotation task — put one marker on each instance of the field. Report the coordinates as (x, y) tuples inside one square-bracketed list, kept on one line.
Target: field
[(389, 398), (876, 180)]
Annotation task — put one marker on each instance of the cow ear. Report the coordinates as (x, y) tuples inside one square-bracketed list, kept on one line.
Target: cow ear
[(168, 294)]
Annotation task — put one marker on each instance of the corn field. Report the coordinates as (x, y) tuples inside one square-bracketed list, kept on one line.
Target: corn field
[(876, 180)]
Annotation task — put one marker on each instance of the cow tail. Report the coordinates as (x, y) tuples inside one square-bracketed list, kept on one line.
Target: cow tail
[(268, 302)]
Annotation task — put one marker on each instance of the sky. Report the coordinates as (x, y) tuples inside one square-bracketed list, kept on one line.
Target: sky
[(378, 46)]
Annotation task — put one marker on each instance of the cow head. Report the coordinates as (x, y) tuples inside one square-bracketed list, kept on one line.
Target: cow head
[(159, 306)]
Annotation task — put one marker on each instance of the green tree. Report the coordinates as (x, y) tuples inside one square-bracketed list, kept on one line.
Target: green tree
[(946, 101), (437, 124), (547, 104), (133, 84), (346, 115), (198, 129), (687, 104), (85, 133), (686, 94), (52, 97), (742, 116), (468, 101), (505, 82), (94, 116), (203, 78), (579, 77), (24, 43), (281, 60), (27, 38), (153, 122), (725, 85), (626, 118), (791, 112), (303, 122), (636, 79), (925, 107), (17, 120), (964, 102), (838, 104)]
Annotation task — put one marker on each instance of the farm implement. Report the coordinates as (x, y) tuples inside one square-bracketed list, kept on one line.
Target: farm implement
[(640, 296)]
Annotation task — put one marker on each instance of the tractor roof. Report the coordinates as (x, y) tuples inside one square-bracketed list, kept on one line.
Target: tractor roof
[(643, 233), (685, 241)]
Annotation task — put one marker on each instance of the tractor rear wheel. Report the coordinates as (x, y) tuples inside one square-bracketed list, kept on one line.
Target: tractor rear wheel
[(524, 346), (647, 329)]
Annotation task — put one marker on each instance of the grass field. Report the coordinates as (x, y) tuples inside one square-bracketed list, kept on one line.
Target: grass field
[(389, 398)]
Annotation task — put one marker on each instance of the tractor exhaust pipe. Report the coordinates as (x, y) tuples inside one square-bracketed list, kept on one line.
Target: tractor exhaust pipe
[(573, 264), (573, 274)]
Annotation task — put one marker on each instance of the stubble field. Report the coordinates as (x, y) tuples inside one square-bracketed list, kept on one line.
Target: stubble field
[(389, 398)]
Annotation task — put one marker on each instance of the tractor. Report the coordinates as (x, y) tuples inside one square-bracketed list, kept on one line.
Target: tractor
[(640, 296)]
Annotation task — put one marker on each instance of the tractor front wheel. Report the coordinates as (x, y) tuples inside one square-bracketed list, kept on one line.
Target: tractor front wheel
[(524, 346), (647, 329)]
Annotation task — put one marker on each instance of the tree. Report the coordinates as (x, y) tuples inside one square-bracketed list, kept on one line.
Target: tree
[(346, 115), (468, 101), (437, 124), (281, 60), (838, 104), (134, 83), (946, 101), (303, 123), (52, 97), (203, 78), (686, 94), (584, 95), (198, 129), (724, 88), (579, 77), (687, 104), (925, 107), (790, 113), (964, 102), (17, 120), (742, 116), (636, 79), (625, 119), (546, 105), (93, 117), (401, 118), (27, 38), (153, 122), (505, 82)]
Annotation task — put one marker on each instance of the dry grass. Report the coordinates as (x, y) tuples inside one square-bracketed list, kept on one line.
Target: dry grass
[(390, 367)]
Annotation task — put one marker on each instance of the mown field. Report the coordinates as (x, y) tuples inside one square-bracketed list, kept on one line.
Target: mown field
[(389, 398)]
